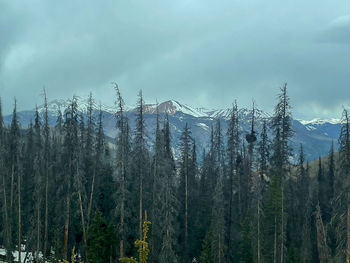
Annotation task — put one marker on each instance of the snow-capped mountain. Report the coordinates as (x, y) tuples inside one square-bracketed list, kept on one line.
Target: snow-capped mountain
[(315, 135)]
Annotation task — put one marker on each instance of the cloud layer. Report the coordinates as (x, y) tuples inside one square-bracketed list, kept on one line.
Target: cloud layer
[(203, 53)]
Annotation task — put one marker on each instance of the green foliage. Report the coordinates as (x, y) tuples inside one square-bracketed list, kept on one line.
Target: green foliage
[(245, 248), (101, 240), (206, 256)]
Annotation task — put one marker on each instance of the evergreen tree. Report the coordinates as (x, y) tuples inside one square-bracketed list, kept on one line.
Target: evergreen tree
[(102, 241), (206, 256), (184, 192), (122, 169), (218, 223), (169, 203), (6, 230), (272, 221), (140, 168), (46, 154), (233, 174), (70, 161), (281, 125), (341, 217)]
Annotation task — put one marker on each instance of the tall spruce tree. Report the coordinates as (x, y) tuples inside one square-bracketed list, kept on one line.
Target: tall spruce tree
[(140, 160), (169, 202), (341, 215), (46, 155), (122, 169), (70, 161), (232, 157), (184, 192), (282, 131)]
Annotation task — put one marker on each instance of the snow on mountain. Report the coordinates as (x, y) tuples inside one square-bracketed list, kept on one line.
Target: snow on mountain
[(318, 121), (316, 135), (171, 107), (83, 103)]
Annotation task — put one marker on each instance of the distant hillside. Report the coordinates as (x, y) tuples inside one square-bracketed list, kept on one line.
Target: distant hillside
[(316, 135)]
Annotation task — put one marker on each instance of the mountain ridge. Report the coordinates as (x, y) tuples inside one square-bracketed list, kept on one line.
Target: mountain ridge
[(316, 135)]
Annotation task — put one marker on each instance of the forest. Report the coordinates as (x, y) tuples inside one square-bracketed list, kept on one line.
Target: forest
[(68, 192)]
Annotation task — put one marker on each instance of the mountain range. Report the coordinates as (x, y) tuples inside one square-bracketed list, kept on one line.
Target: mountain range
[(315, 135)]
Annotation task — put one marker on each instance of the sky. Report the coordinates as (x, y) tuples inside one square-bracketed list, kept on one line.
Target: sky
[(202, 53)]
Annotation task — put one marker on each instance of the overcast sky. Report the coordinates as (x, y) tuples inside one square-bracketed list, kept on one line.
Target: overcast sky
[(199, 52)]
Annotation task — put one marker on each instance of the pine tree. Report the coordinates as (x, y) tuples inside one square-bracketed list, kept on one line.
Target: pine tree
[(272, 221), (169, 202), (281, 125), (102, 241), (218, 223), (303, 209), (233, 174), (140, 168), (341, 215), (38, 177), (186, 192), (14, 156), (91, 157), (122, 163), (245, 249), (3, 173), (46, 133), (70, 160), (206, 256)]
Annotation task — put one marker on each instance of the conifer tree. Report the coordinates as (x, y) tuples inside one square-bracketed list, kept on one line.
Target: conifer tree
[(342, 206), (91, 157), (140, 160), (206, 249), (122, 163), (184, 190), (102, 241), (3, 173), (218, 223), (281, 125), (70, 160), (169, 202), (233, 174), (46, 133), (14, 152)]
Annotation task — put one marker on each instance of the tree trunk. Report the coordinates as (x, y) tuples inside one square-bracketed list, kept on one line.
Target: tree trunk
[(348, 234), (275, 243), (46, 210), (230, 216), (12, 186), (322, 247), (38, 225), (259, 229), (83, 225), (66, 225), (186, 209), (282, 227), (6, 213), (219, 252), (122, 230), (140, 211), (239, 191), (19, 217), (90, 200)]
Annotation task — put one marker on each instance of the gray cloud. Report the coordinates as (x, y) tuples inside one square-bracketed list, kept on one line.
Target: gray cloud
[(337, 31), (198, 52)]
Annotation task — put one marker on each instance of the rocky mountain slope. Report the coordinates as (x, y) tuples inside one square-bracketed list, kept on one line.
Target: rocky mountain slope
[(315, 135)]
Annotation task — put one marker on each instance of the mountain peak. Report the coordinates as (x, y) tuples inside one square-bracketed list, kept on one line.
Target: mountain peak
[(171, 107)]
